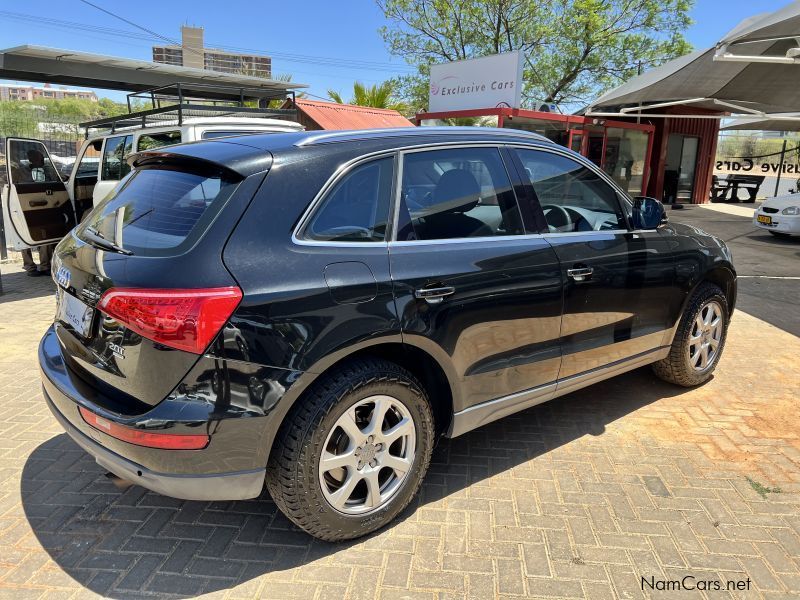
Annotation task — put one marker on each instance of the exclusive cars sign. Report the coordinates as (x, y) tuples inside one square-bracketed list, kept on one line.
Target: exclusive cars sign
[(749, 165), (484, 82)]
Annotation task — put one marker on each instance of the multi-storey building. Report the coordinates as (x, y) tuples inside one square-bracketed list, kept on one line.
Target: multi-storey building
[(192, 53), (30, 92)]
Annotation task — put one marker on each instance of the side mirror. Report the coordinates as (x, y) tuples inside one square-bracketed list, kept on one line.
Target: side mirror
[(648, 213)]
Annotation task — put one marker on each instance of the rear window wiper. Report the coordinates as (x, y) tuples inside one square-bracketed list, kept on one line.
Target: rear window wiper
[(97, 239)]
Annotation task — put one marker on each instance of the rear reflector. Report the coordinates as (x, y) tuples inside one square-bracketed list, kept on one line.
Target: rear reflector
[(182, 319), (165, 441)]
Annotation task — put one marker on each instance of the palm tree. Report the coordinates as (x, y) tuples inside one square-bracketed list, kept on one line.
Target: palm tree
[(376, 96), (336, 97)]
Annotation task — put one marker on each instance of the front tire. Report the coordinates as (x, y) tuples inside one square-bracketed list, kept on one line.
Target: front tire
[(353, 452), (699, 339)]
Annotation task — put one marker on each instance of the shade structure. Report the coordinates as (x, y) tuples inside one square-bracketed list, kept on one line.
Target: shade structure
[(750, 71), (69, 67), (777, 122), (782, 23)]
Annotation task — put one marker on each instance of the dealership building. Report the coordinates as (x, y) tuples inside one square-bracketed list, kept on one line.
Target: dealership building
[(655, 135)]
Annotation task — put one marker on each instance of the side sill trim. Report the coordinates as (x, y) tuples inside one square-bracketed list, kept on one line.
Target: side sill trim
[(581, 380), (492, 410)]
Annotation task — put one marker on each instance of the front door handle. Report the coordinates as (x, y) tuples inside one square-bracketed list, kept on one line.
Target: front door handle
[(434, 295), (580, 273)]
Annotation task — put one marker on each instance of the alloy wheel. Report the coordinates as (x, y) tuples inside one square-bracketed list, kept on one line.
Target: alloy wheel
[(367, 455), (705, 337)]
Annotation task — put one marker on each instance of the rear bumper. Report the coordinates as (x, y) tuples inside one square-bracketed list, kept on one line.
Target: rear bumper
[(220, 486), (228, 469)]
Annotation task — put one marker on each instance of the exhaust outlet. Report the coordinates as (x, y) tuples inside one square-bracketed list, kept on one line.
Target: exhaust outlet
[(120, 483)]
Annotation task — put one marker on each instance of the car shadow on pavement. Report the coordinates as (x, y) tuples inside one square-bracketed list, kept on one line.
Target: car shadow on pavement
[(18, 285), (123, 544)]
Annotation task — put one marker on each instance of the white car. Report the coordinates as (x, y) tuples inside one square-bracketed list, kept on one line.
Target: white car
[(40, 206), (779, 215)]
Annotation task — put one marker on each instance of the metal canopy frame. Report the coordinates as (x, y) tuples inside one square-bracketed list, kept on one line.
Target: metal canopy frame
[(180, 106), (738, 109)]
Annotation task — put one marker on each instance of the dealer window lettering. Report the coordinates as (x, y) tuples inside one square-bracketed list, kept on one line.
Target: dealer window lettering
[(747, 165), (690, 582)]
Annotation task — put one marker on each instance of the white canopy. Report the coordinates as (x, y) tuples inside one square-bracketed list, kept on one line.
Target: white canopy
[(779, 122), (754, 70)]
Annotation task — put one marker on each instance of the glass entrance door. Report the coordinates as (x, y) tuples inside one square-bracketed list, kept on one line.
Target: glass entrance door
[(680, 168), (576, 140), (596, 148)]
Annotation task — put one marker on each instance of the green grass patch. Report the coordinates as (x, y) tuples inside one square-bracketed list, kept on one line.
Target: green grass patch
[(762, 490)]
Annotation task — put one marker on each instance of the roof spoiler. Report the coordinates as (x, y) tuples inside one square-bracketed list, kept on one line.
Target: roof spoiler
[(239, 160)]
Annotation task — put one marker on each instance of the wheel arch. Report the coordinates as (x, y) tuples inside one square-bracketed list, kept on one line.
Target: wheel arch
[(724, 277), (720, 274), (437, 378)]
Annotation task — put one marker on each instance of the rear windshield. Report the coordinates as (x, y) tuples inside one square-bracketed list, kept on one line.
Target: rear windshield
[(158, 212)]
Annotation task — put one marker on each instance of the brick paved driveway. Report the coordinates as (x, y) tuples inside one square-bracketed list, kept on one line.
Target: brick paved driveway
[(576, 498)]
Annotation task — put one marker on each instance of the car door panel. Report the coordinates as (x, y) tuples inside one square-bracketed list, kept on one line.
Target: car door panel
[(500, 326), (498, 320), (84, 177), (615, 279), (37, 203), (618, 311)]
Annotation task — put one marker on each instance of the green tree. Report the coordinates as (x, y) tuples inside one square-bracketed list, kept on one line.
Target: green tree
[(573, 49), (53, 118), (108, 108), (381, 95)]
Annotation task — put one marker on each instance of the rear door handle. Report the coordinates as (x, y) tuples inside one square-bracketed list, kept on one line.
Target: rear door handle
[(434, 295), (580, 273)]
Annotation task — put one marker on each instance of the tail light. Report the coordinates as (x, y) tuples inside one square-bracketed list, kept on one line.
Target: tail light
[(164, 441), (182, 319)]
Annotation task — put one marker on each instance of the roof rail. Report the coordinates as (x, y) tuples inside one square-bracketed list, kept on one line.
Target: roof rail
[(323, 137)]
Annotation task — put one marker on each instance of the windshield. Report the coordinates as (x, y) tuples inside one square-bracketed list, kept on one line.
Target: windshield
[(157, 212)]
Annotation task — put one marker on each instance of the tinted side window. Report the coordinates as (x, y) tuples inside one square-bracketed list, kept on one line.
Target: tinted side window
[(150, 141), (357, 208), (572, 197), (88, 166), (116, 152), (457, 193)]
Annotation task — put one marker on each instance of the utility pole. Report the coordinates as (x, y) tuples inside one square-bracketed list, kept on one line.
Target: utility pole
[(780, 170)]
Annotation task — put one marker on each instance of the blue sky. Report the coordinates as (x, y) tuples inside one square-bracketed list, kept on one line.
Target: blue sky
[(302, 37)]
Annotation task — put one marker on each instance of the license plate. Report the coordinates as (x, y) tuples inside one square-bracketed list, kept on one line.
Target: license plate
[(764, 219), (75, 313)]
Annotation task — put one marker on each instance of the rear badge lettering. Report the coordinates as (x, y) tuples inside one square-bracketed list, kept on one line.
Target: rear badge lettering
[(63, 277), (117, 350)]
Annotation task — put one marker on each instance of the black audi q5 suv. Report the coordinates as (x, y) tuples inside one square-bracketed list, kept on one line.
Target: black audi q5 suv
[(310, 311)]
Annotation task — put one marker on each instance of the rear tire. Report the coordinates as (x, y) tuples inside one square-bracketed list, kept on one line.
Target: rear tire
[(699, 339), (352, 453)]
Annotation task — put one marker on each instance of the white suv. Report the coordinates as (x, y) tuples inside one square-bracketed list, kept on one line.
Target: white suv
[(39, 207)]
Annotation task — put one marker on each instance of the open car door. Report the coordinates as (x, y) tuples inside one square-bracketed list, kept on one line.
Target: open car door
[(36, 204), (83, 177)]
